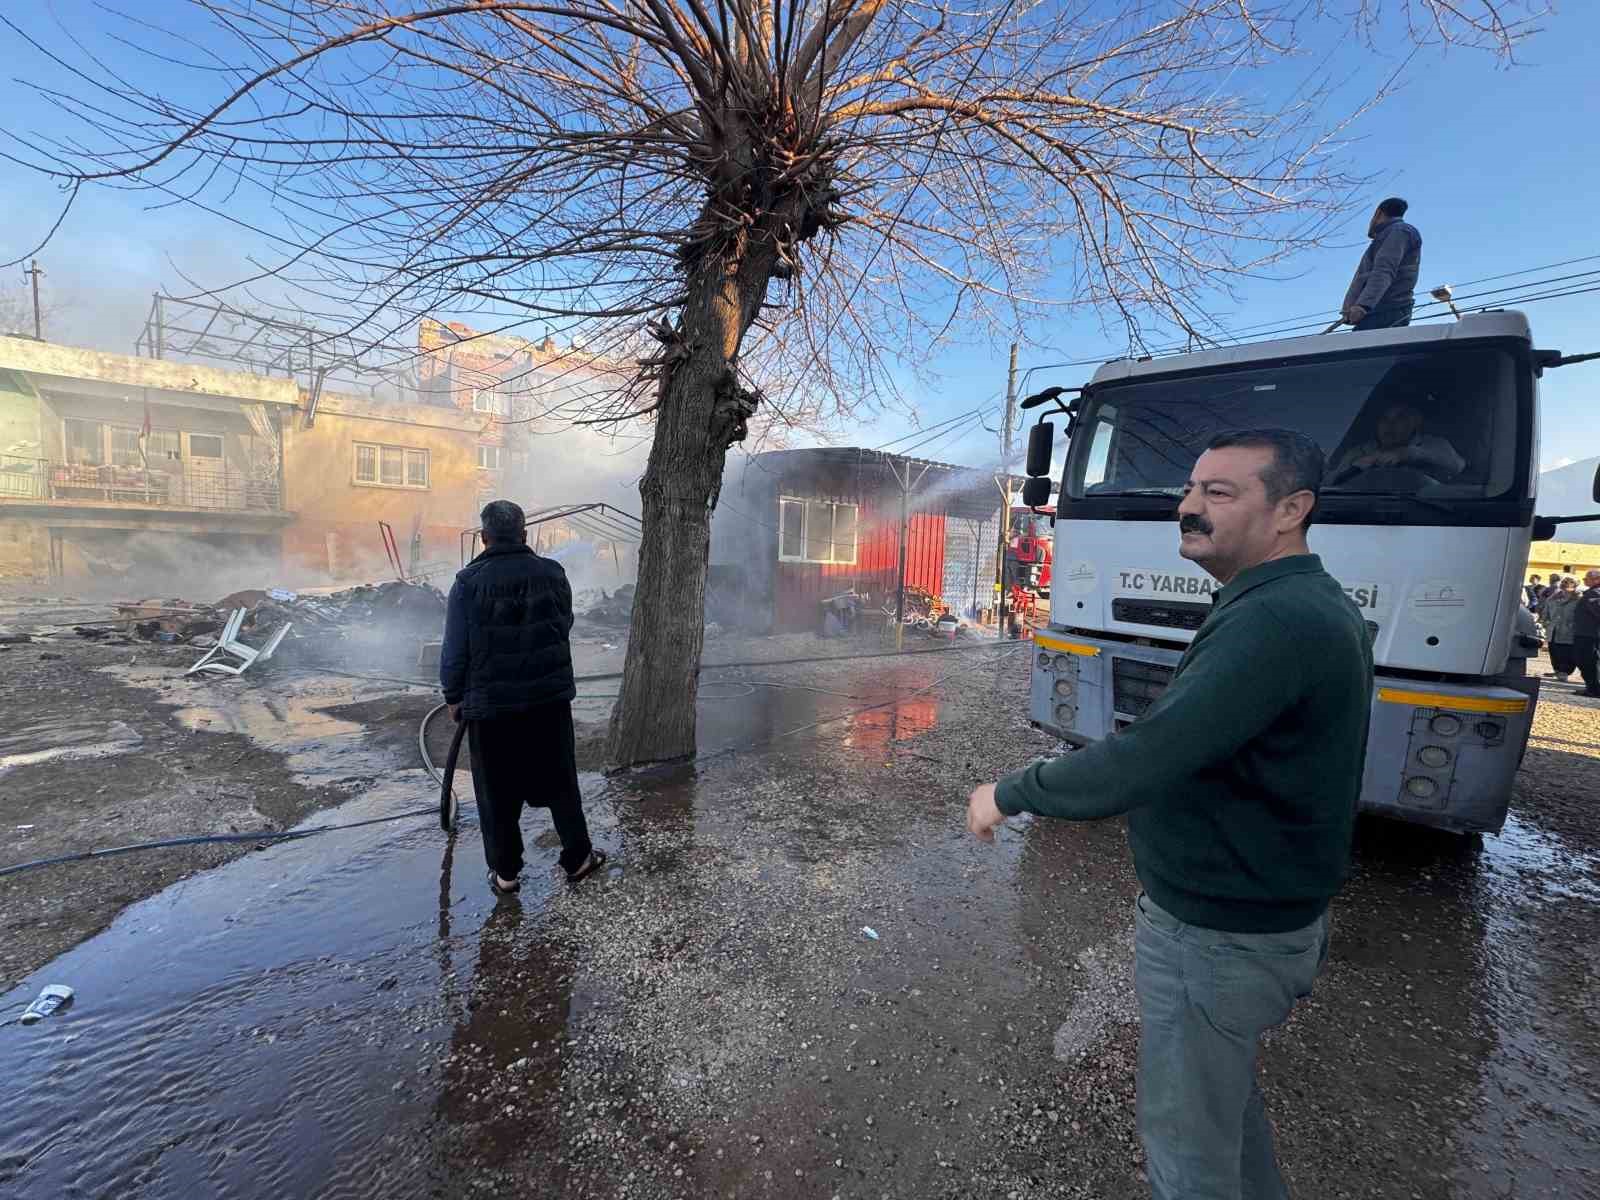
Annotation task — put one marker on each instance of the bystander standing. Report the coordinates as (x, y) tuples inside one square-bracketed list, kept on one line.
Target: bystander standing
[(1240, 786), (1560, 611), (1586, 634)]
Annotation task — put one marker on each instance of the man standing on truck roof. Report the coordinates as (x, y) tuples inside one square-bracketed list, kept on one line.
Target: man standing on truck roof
[(1240, 786), (1380, 294)]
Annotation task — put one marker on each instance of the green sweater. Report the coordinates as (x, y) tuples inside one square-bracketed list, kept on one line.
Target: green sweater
[(1240, 782)]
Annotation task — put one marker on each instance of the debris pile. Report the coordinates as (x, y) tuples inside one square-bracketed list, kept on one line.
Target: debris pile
[(170, 620), (417, 606), (615, 608), (269, 616)]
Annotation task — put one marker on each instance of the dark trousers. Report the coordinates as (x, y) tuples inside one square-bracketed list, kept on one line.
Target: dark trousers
[(1583, 649), (1386, 318), (1562, 659), (528, 759)]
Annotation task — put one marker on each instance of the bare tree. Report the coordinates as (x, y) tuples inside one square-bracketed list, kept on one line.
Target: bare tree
[(787, 197), (16, 310)]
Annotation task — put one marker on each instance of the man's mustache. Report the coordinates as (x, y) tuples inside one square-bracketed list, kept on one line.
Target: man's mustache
[(1189, 523)]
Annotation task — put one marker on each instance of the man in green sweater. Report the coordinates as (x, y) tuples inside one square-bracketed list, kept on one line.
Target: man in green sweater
[(1240, 786)]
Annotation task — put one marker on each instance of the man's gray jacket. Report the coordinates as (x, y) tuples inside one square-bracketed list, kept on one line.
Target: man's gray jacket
[(1387, 274)]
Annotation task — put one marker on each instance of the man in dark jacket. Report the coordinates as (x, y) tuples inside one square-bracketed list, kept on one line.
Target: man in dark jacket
[(1380, 294), (1586, 633), (506, 669), (1240, 785)]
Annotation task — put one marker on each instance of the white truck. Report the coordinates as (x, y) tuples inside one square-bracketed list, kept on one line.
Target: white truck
[(1426, 513)]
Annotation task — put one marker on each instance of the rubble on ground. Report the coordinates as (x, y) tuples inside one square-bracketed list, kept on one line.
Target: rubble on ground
[(615, 608)]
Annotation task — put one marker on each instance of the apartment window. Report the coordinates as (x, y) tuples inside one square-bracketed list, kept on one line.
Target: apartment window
[(205, 445), (85, 442), (416, 468), (390, 466), (163, 445), (125, 447), (816, 531), (489, 457), (488, 400)]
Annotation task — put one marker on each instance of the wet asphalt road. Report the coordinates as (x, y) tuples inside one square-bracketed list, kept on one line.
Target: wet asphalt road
[(354, 1015)]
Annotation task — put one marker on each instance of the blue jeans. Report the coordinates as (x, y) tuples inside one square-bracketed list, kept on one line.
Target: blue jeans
[(1205, 998)]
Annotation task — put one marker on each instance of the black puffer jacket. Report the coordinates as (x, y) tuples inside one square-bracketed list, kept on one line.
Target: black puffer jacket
[(505, 635)]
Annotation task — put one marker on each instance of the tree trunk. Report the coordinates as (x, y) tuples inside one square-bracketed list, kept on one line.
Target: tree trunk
[(654, 718)]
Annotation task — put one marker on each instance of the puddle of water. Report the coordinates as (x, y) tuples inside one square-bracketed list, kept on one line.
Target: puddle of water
[(1540, 865), (279, 712), (58, 741), (229, 1036)]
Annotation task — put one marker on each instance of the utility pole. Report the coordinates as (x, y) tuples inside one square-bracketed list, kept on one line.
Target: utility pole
[(1004, 483), (35, 270), (900, 582)]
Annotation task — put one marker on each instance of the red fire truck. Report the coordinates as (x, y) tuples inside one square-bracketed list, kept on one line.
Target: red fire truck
[(1028, 558)]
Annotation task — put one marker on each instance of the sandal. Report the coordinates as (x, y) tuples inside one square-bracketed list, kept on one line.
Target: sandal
[(596, 860), (494, 884)]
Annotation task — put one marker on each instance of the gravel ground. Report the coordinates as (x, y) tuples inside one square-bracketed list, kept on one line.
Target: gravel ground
[(711, 1017)]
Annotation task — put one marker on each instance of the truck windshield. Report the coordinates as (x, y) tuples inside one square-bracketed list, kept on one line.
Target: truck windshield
[(1439, 424)]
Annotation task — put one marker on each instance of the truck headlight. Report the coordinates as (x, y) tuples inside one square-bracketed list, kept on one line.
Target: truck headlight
[(1066, 714), (1043, 661), (1421, 787), (1445, 724), (1433, 756), (1064, 686)]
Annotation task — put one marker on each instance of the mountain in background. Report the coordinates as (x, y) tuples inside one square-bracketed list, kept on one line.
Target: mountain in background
[(1565, 492)]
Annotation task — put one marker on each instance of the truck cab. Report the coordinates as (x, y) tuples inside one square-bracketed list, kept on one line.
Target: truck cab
[(1425, 517)]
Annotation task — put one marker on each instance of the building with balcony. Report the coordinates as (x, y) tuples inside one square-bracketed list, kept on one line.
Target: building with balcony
[(110, 462)]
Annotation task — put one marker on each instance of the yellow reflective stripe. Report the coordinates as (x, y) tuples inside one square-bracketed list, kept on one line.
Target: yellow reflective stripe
[(1459, 703), (1066, 647)]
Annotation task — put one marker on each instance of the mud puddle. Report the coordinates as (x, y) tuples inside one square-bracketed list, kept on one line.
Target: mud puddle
[(59, 741), (278, 711)]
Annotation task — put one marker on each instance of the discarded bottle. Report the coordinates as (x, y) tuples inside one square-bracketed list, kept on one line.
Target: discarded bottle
[(57, 995)]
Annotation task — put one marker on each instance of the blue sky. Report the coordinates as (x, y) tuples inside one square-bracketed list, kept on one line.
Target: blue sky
[(1496, 162)]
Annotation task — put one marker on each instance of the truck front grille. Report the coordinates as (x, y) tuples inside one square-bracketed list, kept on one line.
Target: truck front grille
[(1135, 686), (1169, 614)]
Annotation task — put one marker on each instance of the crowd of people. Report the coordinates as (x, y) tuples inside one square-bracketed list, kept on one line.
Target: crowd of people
[(1569, 614)]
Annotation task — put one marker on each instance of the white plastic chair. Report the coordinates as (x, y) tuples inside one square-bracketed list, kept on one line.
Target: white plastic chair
[(228, 643)]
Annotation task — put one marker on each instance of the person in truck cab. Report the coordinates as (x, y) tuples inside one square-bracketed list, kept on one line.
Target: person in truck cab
[(1401, 443)]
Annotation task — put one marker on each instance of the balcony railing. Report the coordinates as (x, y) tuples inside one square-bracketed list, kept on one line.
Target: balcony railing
[(172, 485)]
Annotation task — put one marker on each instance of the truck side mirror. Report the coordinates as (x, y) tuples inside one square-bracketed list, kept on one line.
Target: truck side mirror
[(1594, 492), (1036, 491), (1041, 443)]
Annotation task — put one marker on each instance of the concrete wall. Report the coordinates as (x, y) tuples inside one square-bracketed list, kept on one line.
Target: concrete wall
[(1568, 558), (24, 550), (72, 362), (335, 527), (19, 416), (24, 544)]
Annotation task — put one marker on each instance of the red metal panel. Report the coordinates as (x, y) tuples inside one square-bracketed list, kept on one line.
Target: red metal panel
[(925, 552), (800, 588)]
